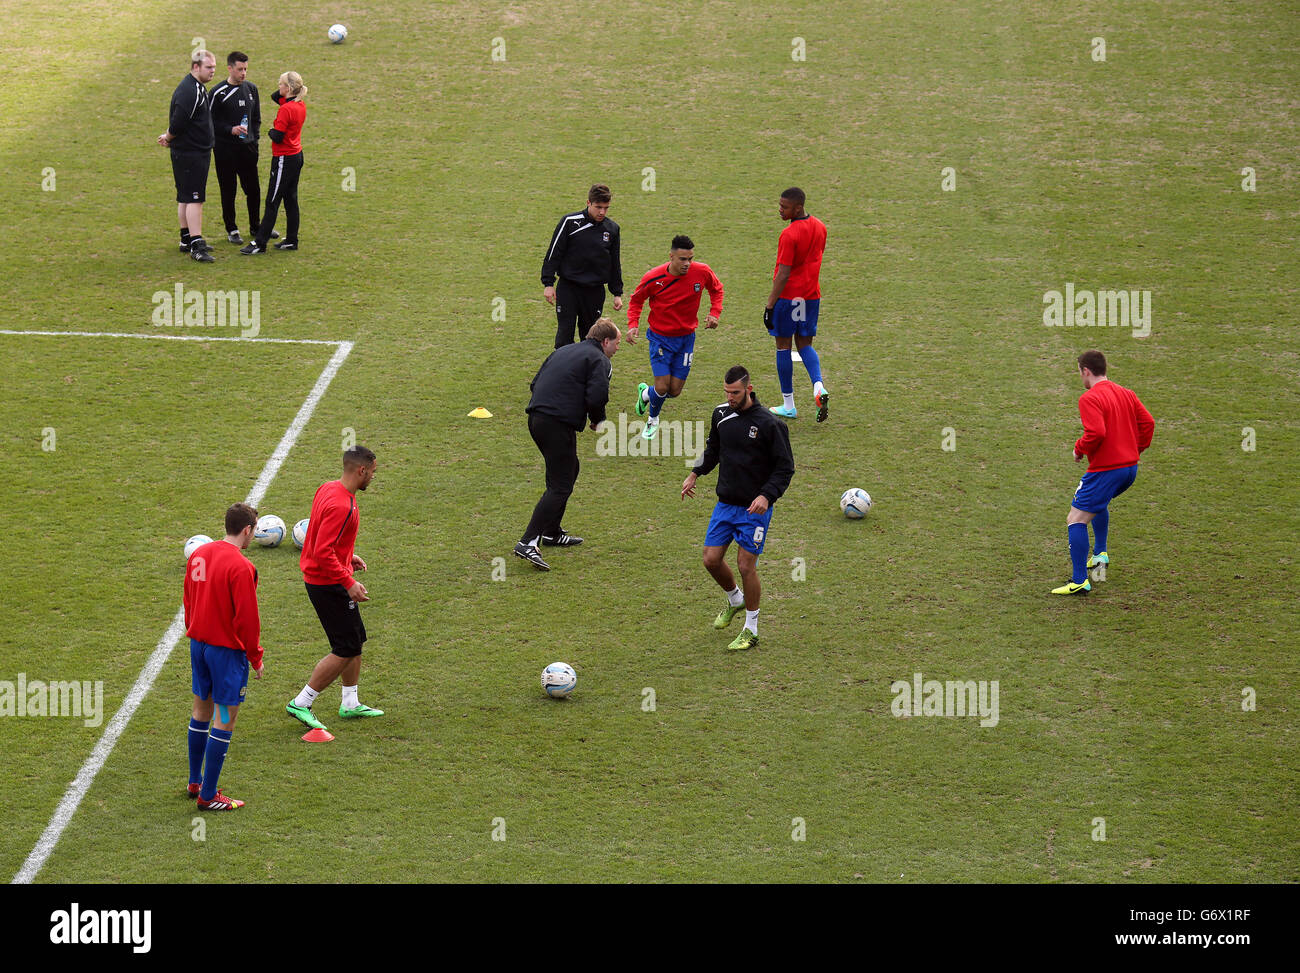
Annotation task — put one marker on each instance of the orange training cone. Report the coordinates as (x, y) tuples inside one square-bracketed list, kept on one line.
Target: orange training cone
[(317, 736)]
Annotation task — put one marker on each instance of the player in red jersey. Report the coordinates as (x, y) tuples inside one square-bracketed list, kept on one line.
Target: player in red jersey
[(222, 622), (674, 290), (795, 300), (1117, 428), (327, 564), (286, 165)]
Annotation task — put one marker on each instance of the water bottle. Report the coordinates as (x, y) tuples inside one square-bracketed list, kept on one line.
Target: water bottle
[(247, 136)]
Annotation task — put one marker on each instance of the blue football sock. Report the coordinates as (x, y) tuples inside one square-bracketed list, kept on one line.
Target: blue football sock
[(1078, 554), (218, 744), (785, 371), (812, 363), (1100, 528), (198, 744), (656, 400)]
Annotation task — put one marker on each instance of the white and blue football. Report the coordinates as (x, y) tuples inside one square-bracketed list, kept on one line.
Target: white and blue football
[(270, 531), (558, 679), (194, 543), (855, 503), (300, 533)]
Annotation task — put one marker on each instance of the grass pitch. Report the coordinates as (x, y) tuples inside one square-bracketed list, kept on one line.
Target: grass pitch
[(784, 764)]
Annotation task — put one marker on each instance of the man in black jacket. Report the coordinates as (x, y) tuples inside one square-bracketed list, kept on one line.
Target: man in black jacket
[(751, 448), (570, 389), (584, 255), (189, 136), (236, 124)]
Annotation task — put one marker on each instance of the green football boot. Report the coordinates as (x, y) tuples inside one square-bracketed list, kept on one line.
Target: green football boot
[(1073, 589), (745, 640), (304, 715), (727, 614), (642, 406), (358, 711)]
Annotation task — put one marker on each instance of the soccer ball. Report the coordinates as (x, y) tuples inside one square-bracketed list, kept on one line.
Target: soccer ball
[(194, 543), (300, 533), (558, 679), (855, 503), (338, 34), (269, 531)]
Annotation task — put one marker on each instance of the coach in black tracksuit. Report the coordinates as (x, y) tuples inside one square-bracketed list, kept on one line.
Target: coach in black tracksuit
[(570, 389), (235, 148), (584, 255)]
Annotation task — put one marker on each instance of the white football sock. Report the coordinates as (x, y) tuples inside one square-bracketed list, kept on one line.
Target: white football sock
[(350, 700), (306, 697), (751, 620), (818, 388), (789, 400), (735, 597)]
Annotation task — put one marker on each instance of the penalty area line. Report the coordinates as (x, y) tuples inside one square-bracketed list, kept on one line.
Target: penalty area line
[(176, 337), (80, 785)]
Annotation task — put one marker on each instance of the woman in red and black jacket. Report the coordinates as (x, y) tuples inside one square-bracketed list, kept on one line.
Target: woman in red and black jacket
[(286, 164)]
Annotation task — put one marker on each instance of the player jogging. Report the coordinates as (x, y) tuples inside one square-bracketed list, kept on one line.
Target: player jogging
[(1117, 428), (795, 299), (327, 564), (222, 622), (751, 448), (673, 290)]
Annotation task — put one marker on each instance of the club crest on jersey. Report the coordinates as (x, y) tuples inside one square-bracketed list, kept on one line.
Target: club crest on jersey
[(607, 236), (753, 432), (697, 287)]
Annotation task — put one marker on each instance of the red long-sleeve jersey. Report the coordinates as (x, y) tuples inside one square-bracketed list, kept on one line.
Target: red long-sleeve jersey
[(331, 536), (675, 301), (1116, 427), (289, 120), (221, 600)]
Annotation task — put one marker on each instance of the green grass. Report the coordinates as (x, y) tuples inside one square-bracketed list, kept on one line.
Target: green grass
[(1126, 705)]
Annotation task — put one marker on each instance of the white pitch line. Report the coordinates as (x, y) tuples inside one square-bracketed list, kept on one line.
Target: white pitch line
[(176, 337), (144, 682)]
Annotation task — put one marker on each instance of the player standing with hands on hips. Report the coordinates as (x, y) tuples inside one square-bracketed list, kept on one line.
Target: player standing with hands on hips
[(286, 165), (795, 300), (751, 449), (1117, 429), (673, 290), (225, 630), (583, 256), (327, 564)]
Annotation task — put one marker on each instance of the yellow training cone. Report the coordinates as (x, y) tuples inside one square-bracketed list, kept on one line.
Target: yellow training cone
[(480, 413)]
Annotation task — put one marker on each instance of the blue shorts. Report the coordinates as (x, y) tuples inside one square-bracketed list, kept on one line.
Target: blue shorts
[(796, 317), (1096, 490), (670, 355), (218, 672), (732, 523)]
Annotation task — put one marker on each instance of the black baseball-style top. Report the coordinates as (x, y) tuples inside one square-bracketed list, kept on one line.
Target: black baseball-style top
[(752, 452), (190, 117), (230, 103), (585, 252)]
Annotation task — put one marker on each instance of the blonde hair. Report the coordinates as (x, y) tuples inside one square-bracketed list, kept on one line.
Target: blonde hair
[(297, 89), (604, 329)]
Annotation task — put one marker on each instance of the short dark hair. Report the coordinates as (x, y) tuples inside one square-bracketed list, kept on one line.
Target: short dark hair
[(239, 516), (794, 194), (236, 56), (1094, 361), (737, 373), (599, 193), (358, 456), (682, 242)]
